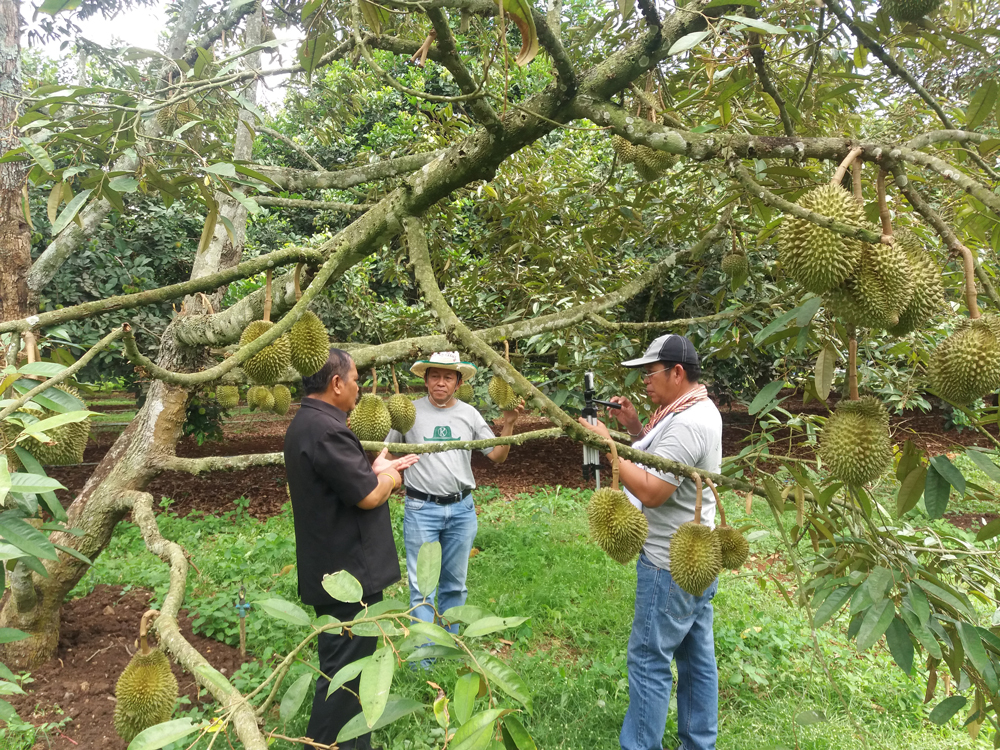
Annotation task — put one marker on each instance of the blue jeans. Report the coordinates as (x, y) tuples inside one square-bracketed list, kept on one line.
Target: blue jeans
[(454, 526), (670, 625)]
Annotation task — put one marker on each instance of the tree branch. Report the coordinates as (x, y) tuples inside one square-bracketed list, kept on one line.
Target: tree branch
[(550, 40), (229, 21), (297, 180), (301, 151), (267, 200), (757, 54), (938, 136), (815, 57), (949, 172)]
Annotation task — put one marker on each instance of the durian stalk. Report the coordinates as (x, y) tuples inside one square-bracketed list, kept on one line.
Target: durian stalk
[(859, 195), (838, 176), (614, 465), (697, 501), (718, 501), (298, 283), (852, 364), (883, 209), (506, 350), (144, 623), (969, 269), (395, 383), (749, 503), (374, 381), (267, 297)]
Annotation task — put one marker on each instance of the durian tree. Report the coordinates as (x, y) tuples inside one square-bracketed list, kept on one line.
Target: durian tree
[(592, 153)]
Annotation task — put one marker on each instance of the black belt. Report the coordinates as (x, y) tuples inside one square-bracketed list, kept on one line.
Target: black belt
[(439, 499)]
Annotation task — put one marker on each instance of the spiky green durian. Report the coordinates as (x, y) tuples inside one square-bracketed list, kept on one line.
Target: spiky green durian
[(735, 264), (257, 397), (624, 148), (878, 293), (733, 546), (370, 419), (816, 257), (966, 365), (145, 694), (855, 443), (651, 163), (501, 393), (909, 10), (228, 396), (928, 293), (282, 399), (309, 344), (695, 557), (267, 365), (618, 527), (402, 413), (69, 441), (465, 393)]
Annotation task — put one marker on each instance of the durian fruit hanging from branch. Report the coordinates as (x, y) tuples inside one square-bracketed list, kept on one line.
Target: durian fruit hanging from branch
[(309, 342), (695, 552), (732, 544), (260, 397), (966, 365), (370, 419), (909, 10), (617, 526), (282, 398), (66, 443), (650, 163), (927, 299), (147, 690), (465, 393), (735, 264), (402, 412), (227, 396), (499, 389), (855, 445), (267, 365)]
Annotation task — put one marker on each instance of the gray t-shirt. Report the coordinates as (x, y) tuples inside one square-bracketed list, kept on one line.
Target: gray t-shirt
[(692, 437), (447, 472)]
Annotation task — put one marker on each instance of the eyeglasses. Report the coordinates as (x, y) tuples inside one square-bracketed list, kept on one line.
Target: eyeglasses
[(649, 375)]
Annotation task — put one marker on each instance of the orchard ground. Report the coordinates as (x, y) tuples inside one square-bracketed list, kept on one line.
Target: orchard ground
[(532, 558)]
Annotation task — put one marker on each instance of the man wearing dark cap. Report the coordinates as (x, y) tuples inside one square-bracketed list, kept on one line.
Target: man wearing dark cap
[(341, 523), (670, 624)]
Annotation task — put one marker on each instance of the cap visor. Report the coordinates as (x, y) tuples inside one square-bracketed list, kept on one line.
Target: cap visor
[(639, 362)]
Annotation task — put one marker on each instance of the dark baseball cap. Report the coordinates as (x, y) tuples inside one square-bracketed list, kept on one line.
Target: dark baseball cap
[(667, 348)]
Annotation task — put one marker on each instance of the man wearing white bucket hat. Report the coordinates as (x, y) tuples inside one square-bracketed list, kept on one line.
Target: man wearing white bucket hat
[(439, 505)]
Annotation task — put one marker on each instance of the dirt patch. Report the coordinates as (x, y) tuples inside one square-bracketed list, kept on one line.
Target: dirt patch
[(98, 638), (970, 521)]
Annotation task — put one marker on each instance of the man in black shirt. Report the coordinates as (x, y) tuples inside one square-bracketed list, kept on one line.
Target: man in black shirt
[(341, 523)]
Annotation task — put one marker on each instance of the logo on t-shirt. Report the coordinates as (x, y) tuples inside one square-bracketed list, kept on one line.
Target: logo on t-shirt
[(442, 434)]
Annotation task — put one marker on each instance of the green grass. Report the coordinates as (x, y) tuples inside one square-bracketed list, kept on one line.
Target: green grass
[(535, 559)]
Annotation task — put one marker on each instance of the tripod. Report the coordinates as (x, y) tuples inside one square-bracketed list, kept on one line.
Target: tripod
[(592, 456)]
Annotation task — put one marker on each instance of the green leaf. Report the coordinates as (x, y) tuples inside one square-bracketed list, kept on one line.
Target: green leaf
[(395, 708), (874, 624), (213, 676), (467, 613), (5, 483), (280, 609), (515, 731), (71, 210), (947, 469), (765, 396), (10, 688), (375, 15), (376, 679), (897, 637), (688, 41), (74, 553), (946, 597), (505, 678), (825, 363), (428, 568), (989, 531), (58, 420), (520, 12), (311, 51), (944, 710), (52, 7), (32, 466), (46, 369), (475, 734), (292, 700), (936, 493), (807, 311), (11, 635), (123, 184), (40, 155), (433, 632), (878, 583), (161, 735), (53, 399), (343, 587), (921, 633), (223, 169), (24, 536), (781, 323), (346, 674), (918, 601), (910, 490), (436, 652), (808, 718), (985, 465), (976, 653), (492, 625), (756, 23), (466, 690), (981, 105)]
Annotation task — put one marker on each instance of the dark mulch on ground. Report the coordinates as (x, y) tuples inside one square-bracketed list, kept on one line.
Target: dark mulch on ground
[(99, 635)]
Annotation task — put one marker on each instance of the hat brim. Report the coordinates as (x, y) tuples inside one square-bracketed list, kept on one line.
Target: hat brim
[(466, 369), (639, 362)]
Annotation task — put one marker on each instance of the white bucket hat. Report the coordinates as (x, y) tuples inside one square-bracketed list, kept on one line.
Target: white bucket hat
[(444, 361)]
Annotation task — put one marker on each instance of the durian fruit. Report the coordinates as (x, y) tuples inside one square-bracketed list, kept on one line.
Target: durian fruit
[(928, 293), (68, 441), (909, 10), (966, 365), (147, 689), (651, 163), (228, 396), (267, 365), (186, 111), (732, 544), (282, 398), (695, 552), (855, 443), (618, 527), (735, 265), (877, 295), (502, 394), (624, 148), (402, 413), (310, 344), (816, 257), (259, 397), (166, 116), (370, 419), (465, 393)]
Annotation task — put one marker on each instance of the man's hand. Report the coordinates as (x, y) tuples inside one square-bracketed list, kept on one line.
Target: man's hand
[(381, 464), (510, 417), (627, 416), (600, 428)]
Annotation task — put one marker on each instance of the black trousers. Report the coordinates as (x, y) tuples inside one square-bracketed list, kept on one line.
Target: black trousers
[(336, 651)]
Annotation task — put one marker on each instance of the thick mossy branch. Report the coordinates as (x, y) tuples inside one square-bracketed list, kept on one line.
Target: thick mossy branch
[(941, 136), (268, 200), (62, 376), (775, 201), (174, 291), (296, 180), (950, 172), (237, 709)]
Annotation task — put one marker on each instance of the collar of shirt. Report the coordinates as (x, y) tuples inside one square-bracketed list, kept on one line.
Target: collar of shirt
[(314, 403)]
